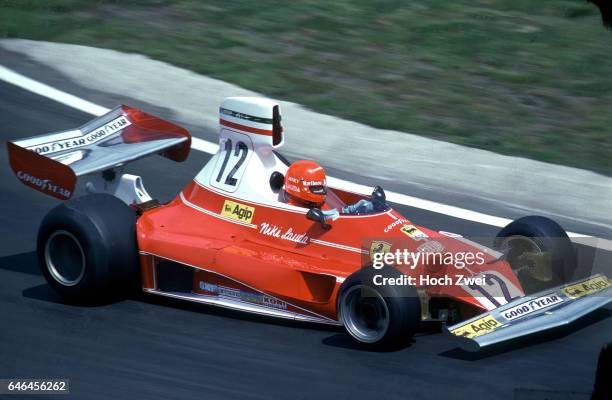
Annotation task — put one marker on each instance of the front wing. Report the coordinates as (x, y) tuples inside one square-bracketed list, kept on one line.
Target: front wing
[(534, 313)]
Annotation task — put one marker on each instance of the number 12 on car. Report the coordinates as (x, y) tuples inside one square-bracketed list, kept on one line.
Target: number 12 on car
[(231, 162)]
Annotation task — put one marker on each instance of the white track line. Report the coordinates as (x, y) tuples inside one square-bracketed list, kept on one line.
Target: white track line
[(51, 93), (88, 107), (211, 148)]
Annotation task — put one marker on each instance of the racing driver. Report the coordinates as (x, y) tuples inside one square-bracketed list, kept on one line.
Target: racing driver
[(306, 186)]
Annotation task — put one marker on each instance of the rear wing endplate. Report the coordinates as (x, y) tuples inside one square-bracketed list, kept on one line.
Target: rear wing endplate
[(52, 162)]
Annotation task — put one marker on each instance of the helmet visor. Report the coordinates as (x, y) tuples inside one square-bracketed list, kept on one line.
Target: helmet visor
[(317, 189)]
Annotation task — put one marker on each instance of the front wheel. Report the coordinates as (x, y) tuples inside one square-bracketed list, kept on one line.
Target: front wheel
[(539, 251), (87, 248), (378, 317)]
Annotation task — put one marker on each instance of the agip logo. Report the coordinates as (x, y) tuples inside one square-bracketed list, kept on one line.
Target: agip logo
[(237, 211), (587, 287), (481, 326)]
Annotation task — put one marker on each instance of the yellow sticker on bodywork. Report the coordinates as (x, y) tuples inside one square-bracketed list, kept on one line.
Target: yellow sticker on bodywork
[(482, 326), (378, 246), (587, 287), (237, 211), (413, 232)]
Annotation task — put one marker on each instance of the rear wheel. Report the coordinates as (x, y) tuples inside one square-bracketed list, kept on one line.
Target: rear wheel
[(64, 257), (87, 248), (378, 317), (539, 251)]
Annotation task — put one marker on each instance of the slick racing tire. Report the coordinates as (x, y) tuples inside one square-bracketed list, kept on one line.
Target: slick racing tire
[(381, 317), (603, 386), (539, 251), (87, 249)]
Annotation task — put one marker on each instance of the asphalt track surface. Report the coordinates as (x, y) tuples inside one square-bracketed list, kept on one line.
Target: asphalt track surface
[(151, 348)]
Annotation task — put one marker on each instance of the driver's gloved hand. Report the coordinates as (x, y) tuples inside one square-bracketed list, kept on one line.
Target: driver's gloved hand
[(374, 204), (379, 198)]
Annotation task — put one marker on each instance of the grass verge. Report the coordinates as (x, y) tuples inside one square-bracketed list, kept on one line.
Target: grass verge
[(518, 77)]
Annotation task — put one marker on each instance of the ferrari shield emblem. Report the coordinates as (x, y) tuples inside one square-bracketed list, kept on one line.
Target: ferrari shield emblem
[(378, 246), (413, 232)]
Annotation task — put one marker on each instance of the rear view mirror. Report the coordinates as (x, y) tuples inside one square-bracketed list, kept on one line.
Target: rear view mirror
[(315, 214), (277, 180), (277, 128)]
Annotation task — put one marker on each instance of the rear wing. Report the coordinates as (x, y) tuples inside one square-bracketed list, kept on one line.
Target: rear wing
[(52, 162)]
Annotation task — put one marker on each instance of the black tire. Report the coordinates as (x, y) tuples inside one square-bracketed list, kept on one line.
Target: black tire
[(399, 304), (87, 249), (603, 386), (556, 268)]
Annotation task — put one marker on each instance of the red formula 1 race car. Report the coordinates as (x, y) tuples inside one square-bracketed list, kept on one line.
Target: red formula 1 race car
[(229, 239)]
